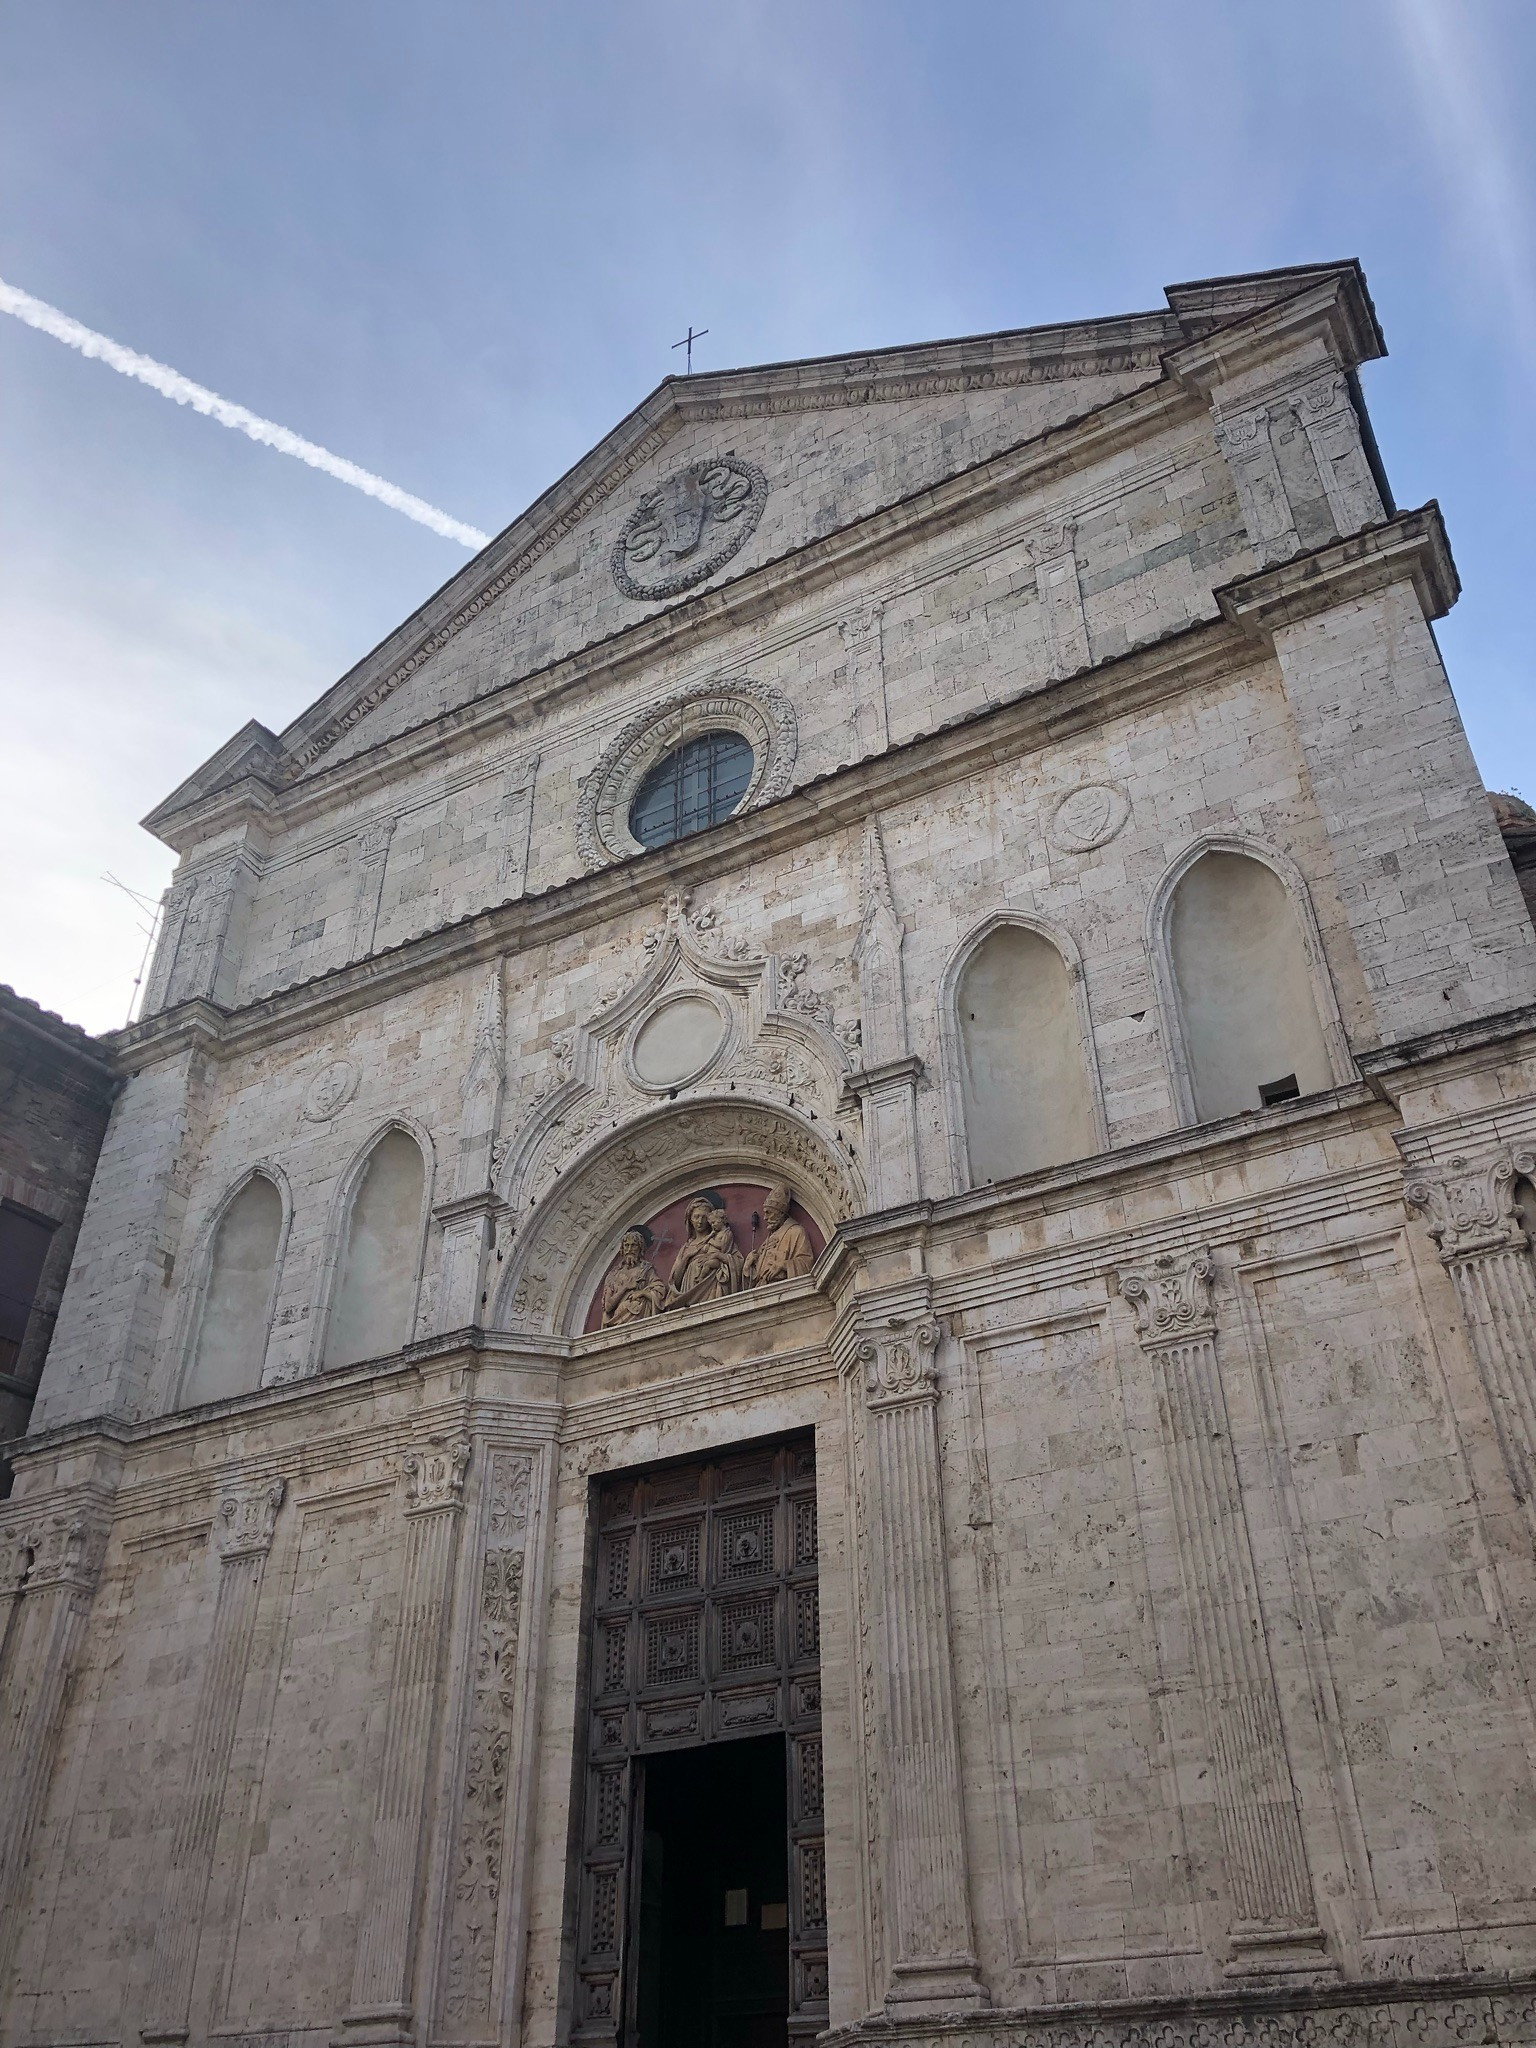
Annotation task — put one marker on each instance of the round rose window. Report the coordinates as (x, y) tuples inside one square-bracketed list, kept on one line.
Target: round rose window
[(697, 785)]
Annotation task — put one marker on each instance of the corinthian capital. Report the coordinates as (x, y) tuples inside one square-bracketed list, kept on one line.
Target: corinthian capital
[(434, 1476), (1171, 1296), (247, 1519), (1469, 1207), (899, 1366), (66, 1548)]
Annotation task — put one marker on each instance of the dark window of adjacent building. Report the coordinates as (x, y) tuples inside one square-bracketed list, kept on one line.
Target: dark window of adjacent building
[(697, 785), (23, 1248)]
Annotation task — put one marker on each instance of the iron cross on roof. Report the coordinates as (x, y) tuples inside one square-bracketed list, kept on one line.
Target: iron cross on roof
[(687, 342)]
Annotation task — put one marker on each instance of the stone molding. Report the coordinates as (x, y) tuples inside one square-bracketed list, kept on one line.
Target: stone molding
[(1500, 2012), (1411, 546), (758, 712)]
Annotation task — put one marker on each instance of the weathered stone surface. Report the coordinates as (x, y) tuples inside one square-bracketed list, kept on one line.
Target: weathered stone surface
[(1176, 1567)]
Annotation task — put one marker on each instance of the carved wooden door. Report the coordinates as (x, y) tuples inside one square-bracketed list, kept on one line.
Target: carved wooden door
[(705, 1627)]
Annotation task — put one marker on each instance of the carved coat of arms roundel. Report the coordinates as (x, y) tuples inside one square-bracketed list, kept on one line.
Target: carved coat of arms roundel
[(688, 527)]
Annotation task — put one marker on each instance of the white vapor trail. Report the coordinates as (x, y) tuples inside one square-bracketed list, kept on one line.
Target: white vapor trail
[(171, 384)]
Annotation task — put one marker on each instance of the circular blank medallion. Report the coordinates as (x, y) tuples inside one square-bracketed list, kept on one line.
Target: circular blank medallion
[(677, 1043)]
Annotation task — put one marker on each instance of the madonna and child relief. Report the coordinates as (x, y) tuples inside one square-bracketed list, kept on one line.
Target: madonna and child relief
[(714, 1243)]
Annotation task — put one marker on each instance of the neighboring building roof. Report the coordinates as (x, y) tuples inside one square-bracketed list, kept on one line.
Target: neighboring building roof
[(21, 1013)]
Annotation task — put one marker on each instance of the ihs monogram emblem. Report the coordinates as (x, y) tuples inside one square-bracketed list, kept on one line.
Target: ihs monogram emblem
[(688, 526)]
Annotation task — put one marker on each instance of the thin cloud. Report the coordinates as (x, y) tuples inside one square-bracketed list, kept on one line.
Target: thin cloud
[(171, 384), (1474, 148)]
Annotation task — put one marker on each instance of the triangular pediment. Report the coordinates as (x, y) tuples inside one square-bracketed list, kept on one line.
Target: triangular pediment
[(791, 452)]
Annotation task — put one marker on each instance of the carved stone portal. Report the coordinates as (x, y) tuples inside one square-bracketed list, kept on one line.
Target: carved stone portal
[(716, 1242)]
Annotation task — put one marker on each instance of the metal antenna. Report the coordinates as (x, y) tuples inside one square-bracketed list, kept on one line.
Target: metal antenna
[(687, 342)]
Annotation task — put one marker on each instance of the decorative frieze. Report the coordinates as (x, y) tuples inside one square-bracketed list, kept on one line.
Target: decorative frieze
[(1471, 1213), (466, 2010), (932, 1962), (1275, 1919), (245, 1523)]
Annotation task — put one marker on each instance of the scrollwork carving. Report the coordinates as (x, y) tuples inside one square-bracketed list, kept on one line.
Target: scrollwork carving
[(1469, 1207), (434, 1476), (900, 1367), (246, 1520), (1172, 1297)]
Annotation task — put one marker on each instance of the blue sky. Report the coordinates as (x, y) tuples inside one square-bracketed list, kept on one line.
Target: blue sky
[(453, 242)]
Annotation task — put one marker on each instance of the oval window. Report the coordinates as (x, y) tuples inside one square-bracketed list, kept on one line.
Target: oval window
[(697, 785)]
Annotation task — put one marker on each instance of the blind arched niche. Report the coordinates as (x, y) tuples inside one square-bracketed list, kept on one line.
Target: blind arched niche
[(373, 1309), (233, 1320), (1026, 1089), (1252, 1034)]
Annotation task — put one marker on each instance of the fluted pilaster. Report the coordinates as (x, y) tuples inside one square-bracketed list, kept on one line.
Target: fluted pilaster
[(58, 1560), (380, 2008), (1271, 1888), (933, 1963), (1470, 1212), (243, 1530)]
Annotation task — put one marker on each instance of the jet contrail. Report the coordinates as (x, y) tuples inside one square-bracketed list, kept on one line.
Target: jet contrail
[(171, 384)]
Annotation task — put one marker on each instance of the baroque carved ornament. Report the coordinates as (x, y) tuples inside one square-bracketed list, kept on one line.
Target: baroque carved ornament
[(688, 526), (1469, 1207)]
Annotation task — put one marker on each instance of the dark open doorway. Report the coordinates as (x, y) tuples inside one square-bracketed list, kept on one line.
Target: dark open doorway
[(711, 1963)]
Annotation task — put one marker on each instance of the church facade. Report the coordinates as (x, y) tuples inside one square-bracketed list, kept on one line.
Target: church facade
[(810, 1308)]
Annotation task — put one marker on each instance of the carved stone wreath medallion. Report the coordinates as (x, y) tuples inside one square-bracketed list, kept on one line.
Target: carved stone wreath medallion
[(1088, 817), (756, 712), (688, 526)]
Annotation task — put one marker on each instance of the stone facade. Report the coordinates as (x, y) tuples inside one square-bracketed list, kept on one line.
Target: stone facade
[(1176, 1551), (56, 1089)]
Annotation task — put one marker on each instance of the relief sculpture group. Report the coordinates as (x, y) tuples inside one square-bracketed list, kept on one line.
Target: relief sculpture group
[(709, 1264)]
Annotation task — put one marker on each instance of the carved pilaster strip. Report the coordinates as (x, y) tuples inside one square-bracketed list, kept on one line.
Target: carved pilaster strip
[(61, 1554), (934, 1965), (1333, 434), (1470, 1212), (383, 1967), (863, 640), (1255, 1797), (466, 2011), (372, 859), (1244, 439), (1054, 554), (243, 1532)]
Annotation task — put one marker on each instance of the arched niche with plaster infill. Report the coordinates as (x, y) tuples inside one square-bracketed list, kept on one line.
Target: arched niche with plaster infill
[(1023, 1077), (379, 1240), (237, 1268), (565, 1243), (1249, 1009)]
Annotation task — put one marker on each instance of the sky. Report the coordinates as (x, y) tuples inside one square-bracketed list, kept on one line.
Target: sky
[(452, 241)]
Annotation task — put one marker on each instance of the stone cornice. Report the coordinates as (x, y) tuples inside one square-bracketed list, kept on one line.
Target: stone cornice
[(1335, 309), (839, 799), (1412, 546)]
